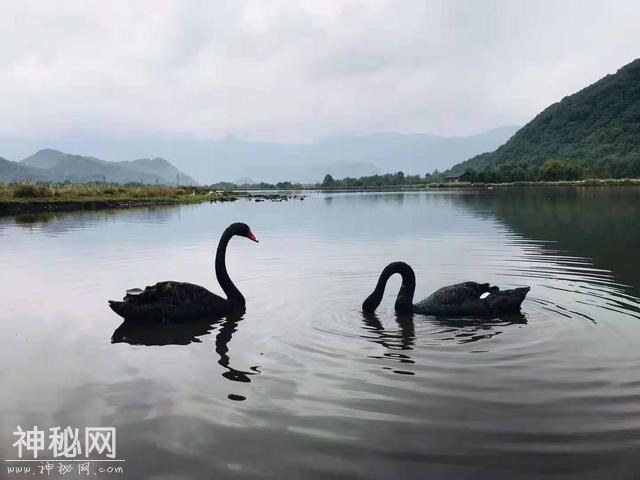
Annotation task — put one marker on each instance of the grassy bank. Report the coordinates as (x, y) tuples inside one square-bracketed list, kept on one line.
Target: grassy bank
[(34, 197), (25, 197)]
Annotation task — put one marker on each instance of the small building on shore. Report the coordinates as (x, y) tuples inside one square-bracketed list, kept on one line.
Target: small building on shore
[(463, 177)]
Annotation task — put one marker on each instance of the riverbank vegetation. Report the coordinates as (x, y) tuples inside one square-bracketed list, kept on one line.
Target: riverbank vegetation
[(588, 182), (551, 171), (556, 170), (35, 197), (47, 192)]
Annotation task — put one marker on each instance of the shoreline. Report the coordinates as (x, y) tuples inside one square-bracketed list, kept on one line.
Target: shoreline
[(45, 205), (626, 182), (20, 205)]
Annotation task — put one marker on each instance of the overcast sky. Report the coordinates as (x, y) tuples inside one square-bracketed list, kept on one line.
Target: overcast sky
[(295, 71)]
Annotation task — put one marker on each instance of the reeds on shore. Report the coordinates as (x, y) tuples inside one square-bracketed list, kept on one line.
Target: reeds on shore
[(49, 192)]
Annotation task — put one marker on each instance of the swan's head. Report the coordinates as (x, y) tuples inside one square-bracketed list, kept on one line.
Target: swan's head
[(371, 302), (242, 230)]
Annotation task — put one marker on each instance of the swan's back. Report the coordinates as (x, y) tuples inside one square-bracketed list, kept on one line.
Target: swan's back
[(465, 299), (169, 301)]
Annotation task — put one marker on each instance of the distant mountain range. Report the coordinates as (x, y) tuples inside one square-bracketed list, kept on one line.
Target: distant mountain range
[(233, 159), (55, 166), (597, 129)]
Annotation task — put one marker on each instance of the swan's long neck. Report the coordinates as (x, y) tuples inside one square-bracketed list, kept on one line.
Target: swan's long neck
[(404, 301), (233, 294)]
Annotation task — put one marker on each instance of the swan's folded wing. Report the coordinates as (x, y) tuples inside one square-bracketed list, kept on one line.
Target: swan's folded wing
[(459, 293), (478, 288), (169, 292)]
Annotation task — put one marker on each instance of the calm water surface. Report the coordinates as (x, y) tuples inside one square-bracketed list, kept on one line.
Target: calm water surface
[(302, 385)]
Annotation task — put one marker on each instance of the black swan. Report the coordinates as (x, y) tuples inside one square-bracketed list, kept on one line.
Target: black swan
[(177, 301), (461, 299)]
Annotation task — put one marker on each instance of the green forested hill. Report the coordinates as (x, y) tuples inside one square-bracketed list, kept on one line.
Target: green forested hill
[(592, 133)]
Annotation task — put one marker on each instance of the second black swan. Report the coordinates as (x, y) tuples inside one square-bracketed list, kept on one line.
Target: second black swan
[(461, 299), (178, 301)]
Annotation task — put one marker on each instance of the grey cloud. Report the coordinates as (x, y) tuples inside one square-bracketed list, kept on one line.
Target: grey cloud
[(297, 71)]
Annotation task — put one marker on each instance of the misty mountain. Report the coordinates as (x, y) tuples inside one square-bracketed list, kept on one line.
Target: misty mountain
[(341, 157), (46, 158), (14, 172), (230, 159), (161, 167), (53, 165)]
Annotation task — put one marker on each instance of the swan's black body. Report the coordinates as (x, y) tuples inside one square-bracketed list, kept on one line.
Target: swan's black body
[(178, 301), (462, 299)]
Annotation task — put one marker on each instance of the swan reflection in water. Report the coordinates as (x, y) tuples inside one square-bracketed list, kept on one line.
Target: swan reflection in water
[(184, 333), (396, 342), (468, 330), (399, 342)]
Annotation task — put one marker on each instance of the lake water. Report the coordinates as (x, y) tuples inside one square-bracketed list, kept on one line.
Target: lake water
[(302, 385)]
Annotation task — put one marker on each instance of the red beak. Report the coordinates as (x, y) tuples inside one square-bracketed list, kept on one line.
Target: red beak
[(251, 236)]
